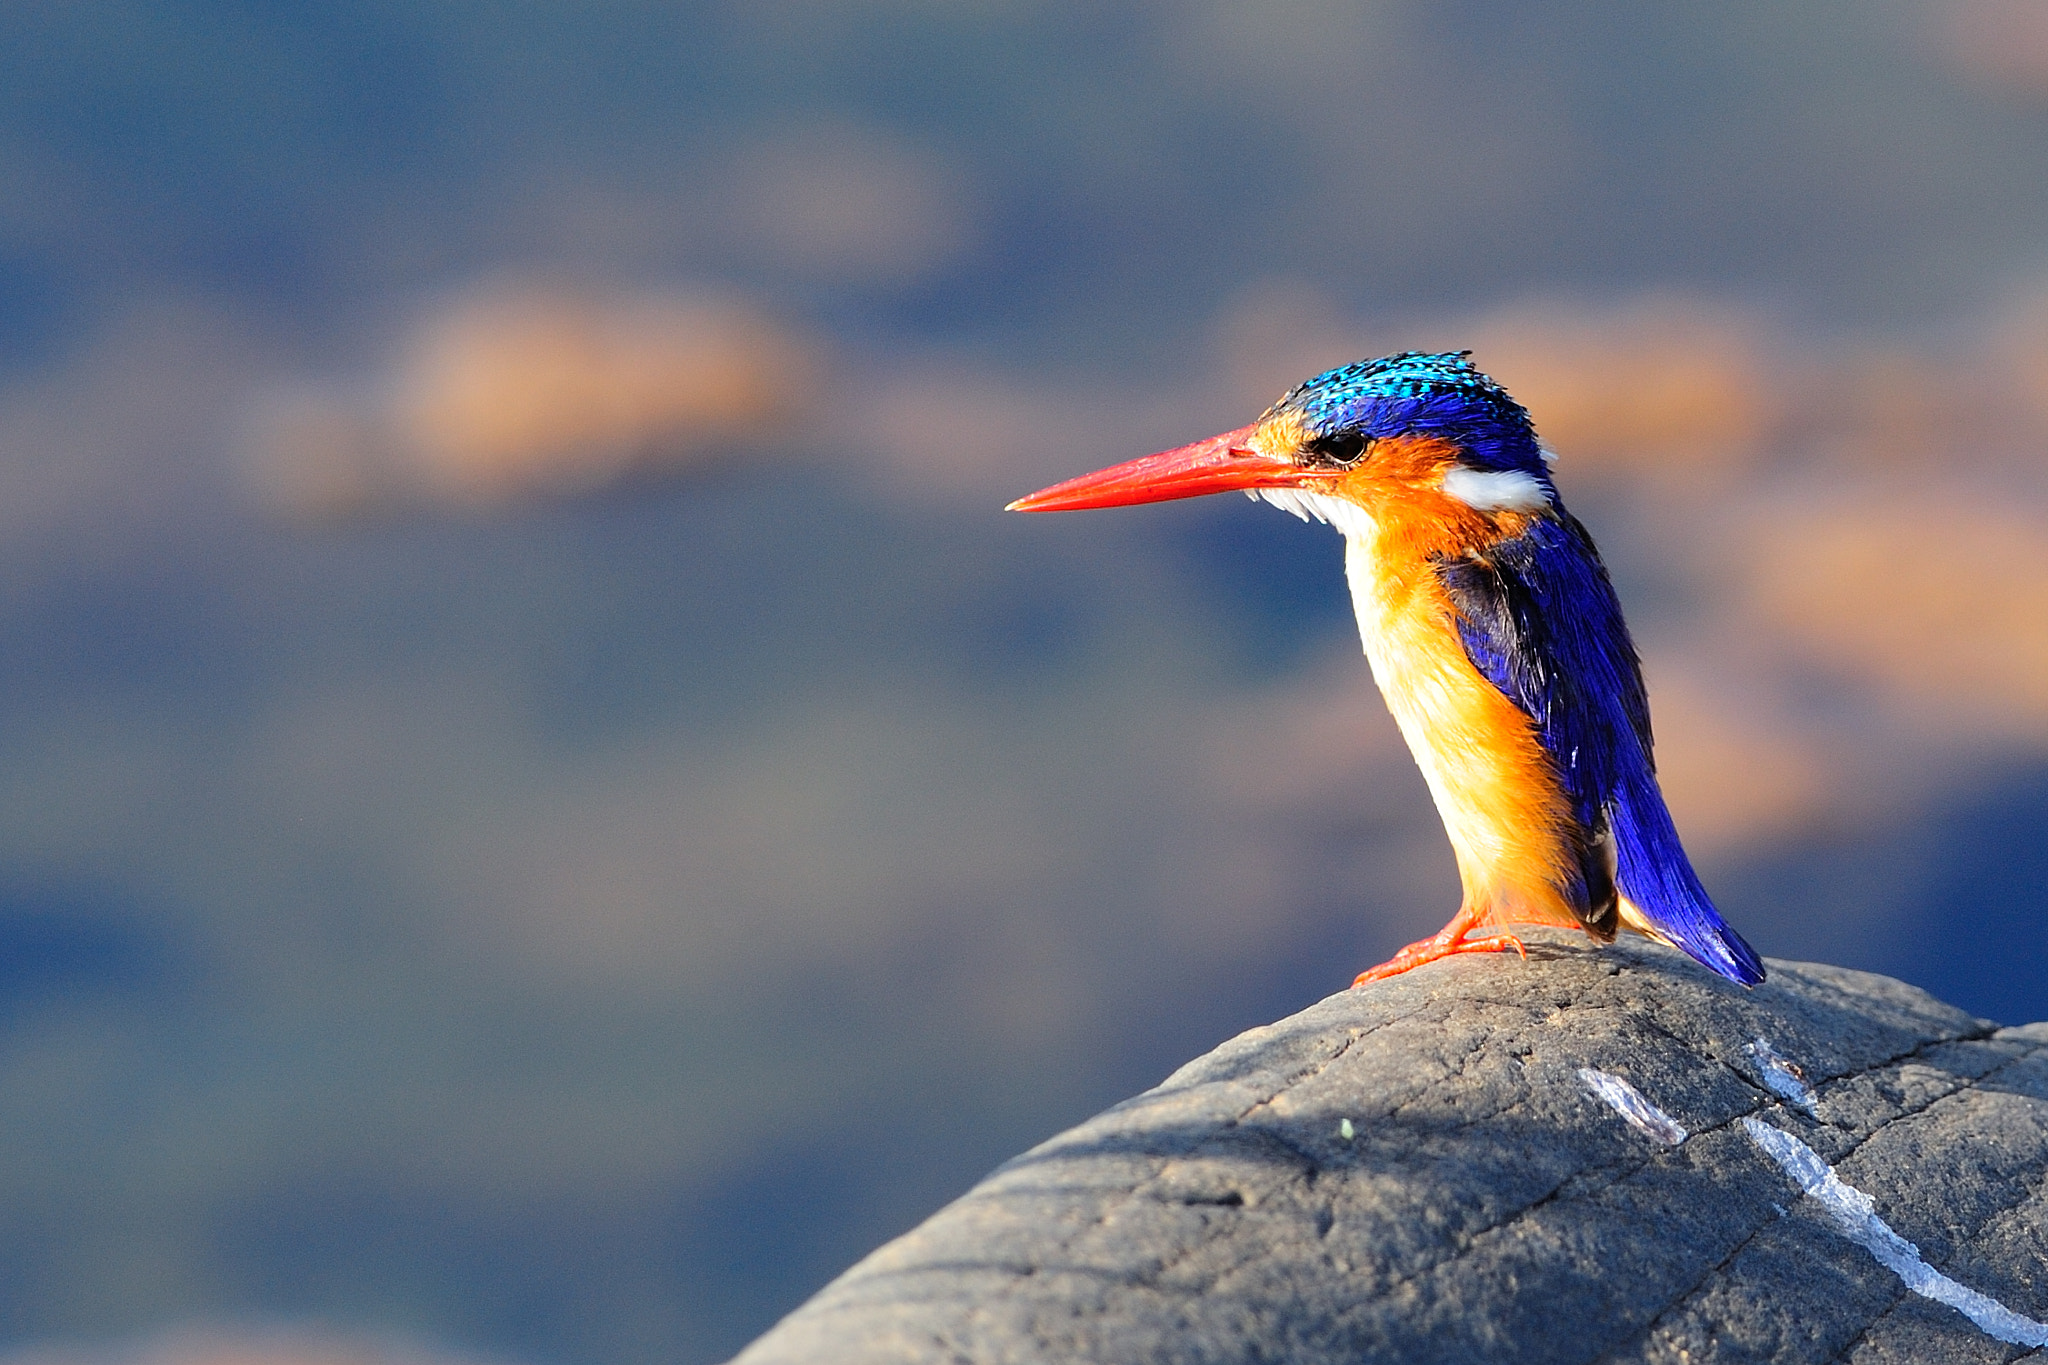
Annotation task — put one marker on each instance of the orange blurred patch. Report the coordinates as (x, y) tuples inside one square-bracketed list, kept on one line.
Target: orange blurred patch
[(1666, 385), (2001, 44), (1939, 604), (1734, 774), (527, 388)]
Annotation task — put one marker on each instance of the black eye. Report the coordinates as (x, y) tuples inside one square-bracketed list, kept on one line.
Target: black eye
[(1337, 450)]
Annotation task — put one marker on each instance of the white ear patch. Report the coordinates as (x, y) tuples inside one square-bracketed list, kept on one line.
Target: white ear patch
[(1496, 490)]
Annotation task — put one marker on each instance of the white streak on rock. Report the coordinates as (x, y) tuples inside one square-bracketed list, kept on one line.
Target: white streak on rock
[(1781, 1076), (1627, 1101), (1855, 1217)]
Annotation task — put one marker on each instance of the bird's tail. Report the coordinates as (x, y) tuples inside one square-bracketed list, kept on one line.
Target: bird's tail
[(1656, 880)]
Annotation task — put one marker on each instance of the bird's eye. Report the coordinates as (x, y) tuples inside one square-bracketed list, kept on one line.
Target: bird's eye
[(1338, 450)]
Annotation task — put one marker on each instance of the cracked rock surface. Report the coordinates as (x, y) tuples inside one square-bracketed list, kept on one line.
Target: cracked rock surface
[(1487, 1205)]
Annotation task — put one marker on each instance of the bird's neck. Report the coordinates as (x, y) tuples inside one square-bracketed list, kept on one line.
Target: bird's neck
[(1392, 554), (1486, 769)]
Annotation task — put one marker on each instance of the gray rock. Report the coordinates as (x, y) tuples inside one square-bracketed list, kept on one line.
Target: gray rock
[(1488, 1205)]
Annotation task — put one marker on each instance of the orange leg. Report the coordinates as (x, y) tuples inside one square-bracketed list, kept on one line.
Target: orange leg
[(1461, 935)]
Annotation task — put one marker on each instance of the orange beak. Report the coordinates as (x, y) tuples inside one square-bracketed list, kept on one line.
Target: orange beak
[(1217, 465)]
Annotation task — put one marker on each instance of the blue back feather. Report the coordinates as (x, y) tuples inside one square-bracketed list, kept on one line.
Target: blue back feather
[(1558, 648)]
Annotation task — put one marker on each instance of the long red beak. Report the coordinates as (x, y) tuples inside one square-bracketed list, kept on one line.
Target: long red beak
[(1217, 465)]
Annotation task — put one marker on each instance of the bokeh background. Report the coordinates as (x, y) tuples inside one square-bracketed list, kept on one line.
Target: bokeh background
[(543, 807)]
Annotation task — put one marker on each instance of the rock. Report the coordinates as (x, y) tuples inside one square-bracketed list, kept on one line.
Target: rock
[(1489, 1205)]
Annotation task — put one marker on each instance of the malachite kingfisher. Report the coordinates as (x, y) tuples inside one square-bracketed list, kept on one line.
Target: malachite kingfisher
[(1495, 636)]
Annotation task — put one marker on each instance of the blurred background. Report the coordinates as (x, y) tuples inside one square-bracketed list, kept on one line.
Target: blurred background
[(544, 809)]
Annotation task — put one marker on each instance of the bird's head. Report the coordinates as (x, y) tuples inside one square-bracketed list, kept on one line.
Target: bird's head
[(1414, 428)]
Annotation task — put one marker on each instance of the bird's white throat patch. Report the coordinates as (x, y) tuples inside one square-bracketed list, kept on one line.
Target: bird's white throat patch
[(1348, 517), (1496, 490), (1484, 490)]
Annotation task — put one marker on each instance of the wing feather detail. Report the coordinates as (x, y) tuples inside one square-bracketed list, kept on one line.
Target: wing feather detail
[(1538, 618)]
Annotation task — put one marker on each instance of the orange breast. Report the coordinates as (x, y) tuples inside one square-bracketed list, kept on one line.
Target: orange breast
[(1506, 813)]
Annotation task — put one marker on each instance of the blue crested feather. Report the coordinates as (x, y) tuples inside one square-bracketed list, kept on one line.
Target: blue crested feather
[(1539, 619), (1420, 393)]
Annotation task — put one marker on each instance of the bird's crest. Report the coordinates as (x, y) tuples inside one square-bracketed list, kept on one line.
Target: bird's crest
[(1419, 393)]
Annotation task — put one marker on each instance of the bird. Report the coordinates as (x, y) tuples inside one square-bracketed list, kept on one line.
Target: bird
[(1492, 628)]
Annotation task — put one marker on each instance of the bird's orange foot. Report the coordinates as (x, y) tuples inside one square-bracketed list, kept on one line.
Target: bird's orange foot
[(1443, 945)]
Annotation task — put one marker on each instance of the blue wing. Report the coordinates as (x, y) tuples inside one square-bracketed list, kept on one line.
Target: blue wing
[(1539, 619)]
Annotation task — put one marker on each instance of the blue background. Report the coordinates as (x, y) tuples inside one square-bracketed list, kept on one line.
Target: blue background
[(566, 916)]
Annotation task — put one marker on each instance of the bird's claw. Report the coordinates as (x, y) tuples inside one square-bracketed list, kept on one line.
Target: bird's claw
[(1443, 945)]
